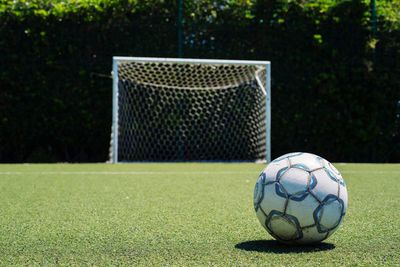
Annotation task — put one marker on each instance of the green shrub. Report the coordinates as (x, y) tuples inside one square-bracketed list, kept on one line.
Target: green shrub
[(335, 85)]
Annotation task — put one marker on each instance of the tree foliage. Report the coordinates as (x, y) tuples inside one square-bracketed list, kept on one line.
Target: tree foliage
[(335, 84)]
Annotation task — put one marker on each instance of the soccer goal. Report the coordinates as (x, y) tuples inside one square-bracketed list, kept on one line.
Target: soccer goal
[(168, 109)]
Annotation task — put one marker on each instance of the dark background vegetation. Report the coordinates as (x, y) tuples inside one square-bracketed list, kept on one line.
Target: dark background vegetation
[(335, 81)]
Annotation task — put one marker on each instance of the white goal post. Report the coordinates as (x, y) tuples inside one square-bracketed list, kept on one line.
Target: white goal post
[(175, 109)]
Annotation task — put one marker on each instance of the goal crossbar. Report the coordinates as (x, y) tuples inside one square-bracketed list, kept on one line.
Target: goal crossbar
[(190, 60)]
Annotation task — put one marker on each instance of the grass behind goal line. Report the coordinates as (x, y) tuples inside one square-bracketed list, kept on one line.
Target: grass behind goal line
[(179, 214)]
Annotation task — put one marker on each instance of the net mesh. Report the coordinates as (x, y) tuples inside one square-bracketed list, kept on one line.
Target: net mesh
[(191, 112)]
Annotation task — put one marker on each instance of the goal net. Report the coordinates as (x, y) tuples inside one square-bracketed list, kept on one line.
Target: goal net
[(190, 110)]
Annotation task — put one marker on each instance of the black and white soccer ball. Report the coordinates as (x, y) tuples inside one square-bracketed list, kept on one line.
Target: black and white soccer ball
[(300, 198)]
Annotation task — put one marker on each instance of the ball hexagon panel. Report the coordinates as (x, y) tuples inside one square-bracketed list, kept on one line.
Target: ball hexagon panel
[(325, 185), (274, 202), (262, 218), (286, 156), (311, 235), (332, 171), (334, 229), (329, 214), (259, 191), (338, 176), (275, 168), (295, 183), (283, 226), (341, 180), (303, 210), (312, 162), (333, 168), (343, 197), (330, 166)]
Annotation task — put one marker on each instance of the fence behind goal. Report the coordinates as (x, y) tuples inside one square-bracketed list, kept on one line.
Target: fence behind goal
[(167, 109)]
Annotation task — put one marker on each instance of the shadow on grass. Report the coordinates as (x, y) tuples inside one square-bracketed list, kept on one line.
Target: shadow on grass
[(273, 246)]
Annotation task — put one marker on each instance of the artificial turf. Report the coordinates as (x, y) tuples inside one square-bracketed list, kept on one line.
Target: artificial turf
[(180, 215)]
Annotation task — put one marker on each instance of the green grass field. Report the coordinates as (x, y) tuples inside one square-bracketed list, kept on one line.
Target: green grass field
[(180, 215)]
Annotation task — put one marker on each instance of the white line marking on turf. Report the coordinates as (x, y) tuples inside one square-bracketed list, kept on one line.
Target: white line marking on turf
[(162, 172), (125, 173)]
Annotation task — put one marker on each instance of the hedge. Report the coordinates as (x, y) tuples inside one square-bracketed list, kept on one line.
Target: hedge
[(335, 83)]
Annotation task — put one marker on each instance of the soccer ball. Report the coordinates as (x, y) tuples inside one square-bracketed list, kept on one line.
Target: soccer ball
[(300, 198)]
